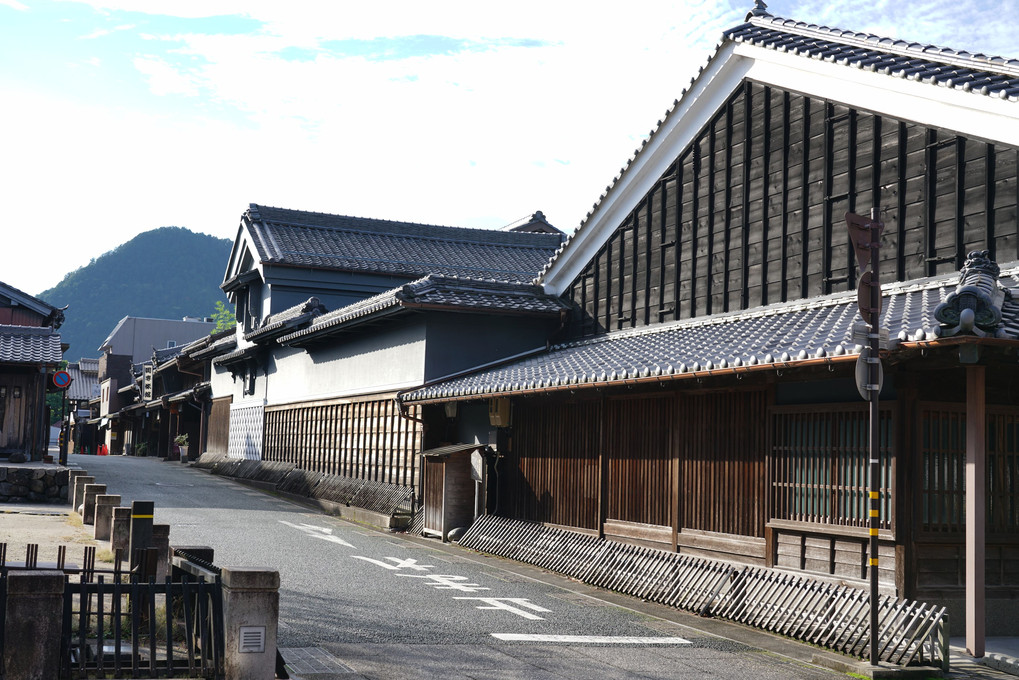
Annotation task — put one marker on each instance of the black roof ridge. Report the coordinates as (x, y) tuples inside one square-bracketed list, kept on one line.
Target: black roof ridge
[(502, 238), (887, 44)]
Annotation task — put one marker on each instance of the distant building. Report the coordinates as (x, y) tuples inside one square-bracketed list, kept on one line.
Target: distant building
[(133, 341)]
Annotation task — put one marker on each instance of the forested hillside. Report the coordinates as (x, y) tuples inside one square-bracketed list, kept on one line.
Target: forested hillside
[(166, 273)]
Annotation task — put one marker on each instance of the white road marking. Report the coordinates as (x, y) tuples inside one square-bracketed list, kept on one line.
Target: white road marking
[(505, 603), (397, 563), (592, 639), (448, 582), (321, 533)]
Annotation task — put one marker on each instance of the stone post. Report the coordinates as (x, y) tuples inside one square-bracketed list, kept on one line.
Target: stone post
[(120, 536), (161, 542), (105, 504), (72, 475), (32, 633), (79, 491), (88, 515), (250, 617)]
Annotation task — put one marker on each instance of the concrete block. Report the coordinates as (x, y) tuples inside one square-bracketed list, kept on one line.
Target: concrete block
[(33, 627), (88, 515), (79, 491), (161, 542), (105, 504), (120, 536), (250, 613)]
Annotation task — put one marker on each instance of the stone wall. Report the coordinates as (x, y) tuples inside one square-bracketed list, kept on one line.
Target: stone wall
[(33, 485)]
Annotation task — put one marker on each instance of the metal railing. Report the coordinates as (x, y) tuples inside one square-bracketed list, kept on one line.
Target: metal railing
[(151, 630), (830, 615), (122, 623)]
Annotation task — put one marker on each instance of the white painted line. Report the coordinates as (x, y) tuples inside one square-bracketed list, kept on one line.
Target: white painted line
[(507, 604), (592, 639)]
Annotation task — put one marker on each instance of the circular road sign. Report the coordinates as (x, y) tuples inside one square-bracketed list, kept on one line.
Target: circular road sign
[(62, 379)]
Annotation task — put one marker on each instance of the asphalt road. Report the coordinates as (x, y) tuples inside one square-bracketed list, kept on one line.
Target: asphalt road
[(388, 606)]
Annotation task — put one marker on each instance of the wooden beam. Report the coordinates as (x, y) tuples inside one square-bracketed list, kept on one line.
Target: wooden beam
[(976, 505)]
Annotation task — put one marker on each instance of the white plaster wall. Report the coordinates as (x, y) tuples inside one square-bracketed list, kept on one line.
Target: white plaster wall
[(383, 360)]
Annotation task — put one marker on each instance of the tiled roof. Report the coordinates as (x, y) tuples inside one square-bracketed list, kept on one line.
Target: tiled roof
[(438, 292), (306, 239), (216, 348), (29, 345), (979, 73), (166, 353), (84, 380), (778, 335), (277, 324), (939, 66)]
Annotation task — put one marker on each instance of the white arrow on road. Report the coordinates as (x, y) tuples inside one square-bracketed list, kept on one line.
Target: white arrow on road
[(321, 533)]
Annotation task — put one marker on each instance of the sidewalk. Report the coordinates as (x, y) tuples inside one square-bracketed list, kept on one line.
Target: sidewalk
[(52, 525)]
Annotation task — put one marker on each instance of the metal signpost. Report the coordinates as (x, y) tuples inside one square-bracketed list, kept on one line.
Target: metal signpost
[(62, 380), (865, 235)]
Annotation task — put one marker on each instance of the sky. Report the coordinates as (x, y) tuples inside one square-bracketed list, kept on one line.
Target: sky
[(122, 116)]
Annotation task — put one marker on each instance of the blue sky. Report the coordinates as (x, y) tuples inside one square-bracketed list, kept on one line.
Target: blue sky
[(121, 116)]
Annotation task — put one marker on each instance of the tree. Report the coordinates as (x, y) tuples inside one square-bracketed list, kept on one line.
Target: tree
[(224, 317)]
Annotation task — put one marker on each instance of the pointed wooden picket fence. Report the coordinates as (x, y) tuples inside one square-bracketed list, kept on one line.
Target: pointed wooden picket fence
[(831, 615)]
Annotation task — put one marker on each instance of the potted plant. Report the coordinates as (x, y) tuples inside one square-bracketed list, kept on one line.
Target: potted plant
[(181, 441)]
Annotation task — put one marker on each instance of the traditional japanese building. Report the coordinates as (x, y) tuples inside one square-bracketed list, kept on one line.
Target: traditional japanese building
[(703, 395), (337, 314), (30, 350)]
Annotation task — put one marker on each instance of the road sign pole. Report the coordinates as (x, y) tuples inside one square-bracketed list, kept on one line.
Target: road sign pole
[(875, 427)]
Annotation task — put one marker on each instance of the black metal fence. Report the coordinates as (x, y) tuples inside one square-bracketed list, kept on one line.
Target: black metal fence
[(123, 623), (152, 630)]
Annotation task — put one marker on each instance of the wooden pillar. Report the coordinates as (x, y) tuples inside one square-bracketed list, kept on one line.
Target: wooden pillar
[(976, 504)]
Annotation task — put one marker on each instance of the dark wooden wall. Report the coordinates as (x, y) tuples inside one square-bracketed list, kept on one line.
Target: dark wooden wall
[(752, 212), (665, 460), (19, 415), (218, 440)]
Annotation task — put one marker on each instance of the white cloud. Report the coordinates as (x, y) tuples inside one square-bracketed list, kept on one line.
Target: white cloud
[(477, 138)]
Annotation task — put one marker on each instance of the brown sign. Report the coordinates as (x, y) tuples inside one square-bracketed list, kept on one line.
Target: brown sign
[(863, 296)]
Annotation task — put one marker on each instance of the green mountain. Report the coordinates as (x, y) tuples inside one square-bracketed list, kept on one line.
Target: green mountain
[(166, 273)]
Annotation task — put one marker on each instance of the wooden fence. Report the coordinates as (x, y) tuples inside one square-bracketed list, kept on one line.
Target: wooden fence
[(828, 614)]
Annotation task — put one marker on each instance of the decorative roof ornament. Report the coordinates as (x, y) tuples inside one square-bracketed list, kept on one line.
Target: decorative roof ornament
[(760, 10), (975, 306)]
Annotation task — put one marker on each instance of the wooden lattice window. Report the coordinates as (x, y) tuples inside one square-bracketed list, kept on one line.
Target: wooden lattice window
[(820, 465), (942, 461)]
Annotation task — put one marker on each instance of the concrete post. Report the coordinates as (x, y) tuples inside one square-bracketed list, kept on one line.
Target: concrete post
[(250, 615), (120, 536), (105, 504), (161, 542), (88, 515), (79, 491), (32, 633), (72, 475)]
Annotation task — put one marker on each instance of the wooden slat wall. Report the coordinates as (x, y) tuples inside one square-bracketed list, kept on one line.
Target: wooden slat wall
[(361, 439), (722, 450), (941, 460), (751, 214), (639, 451), (551, 473), (820, 465), (218, 440)]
